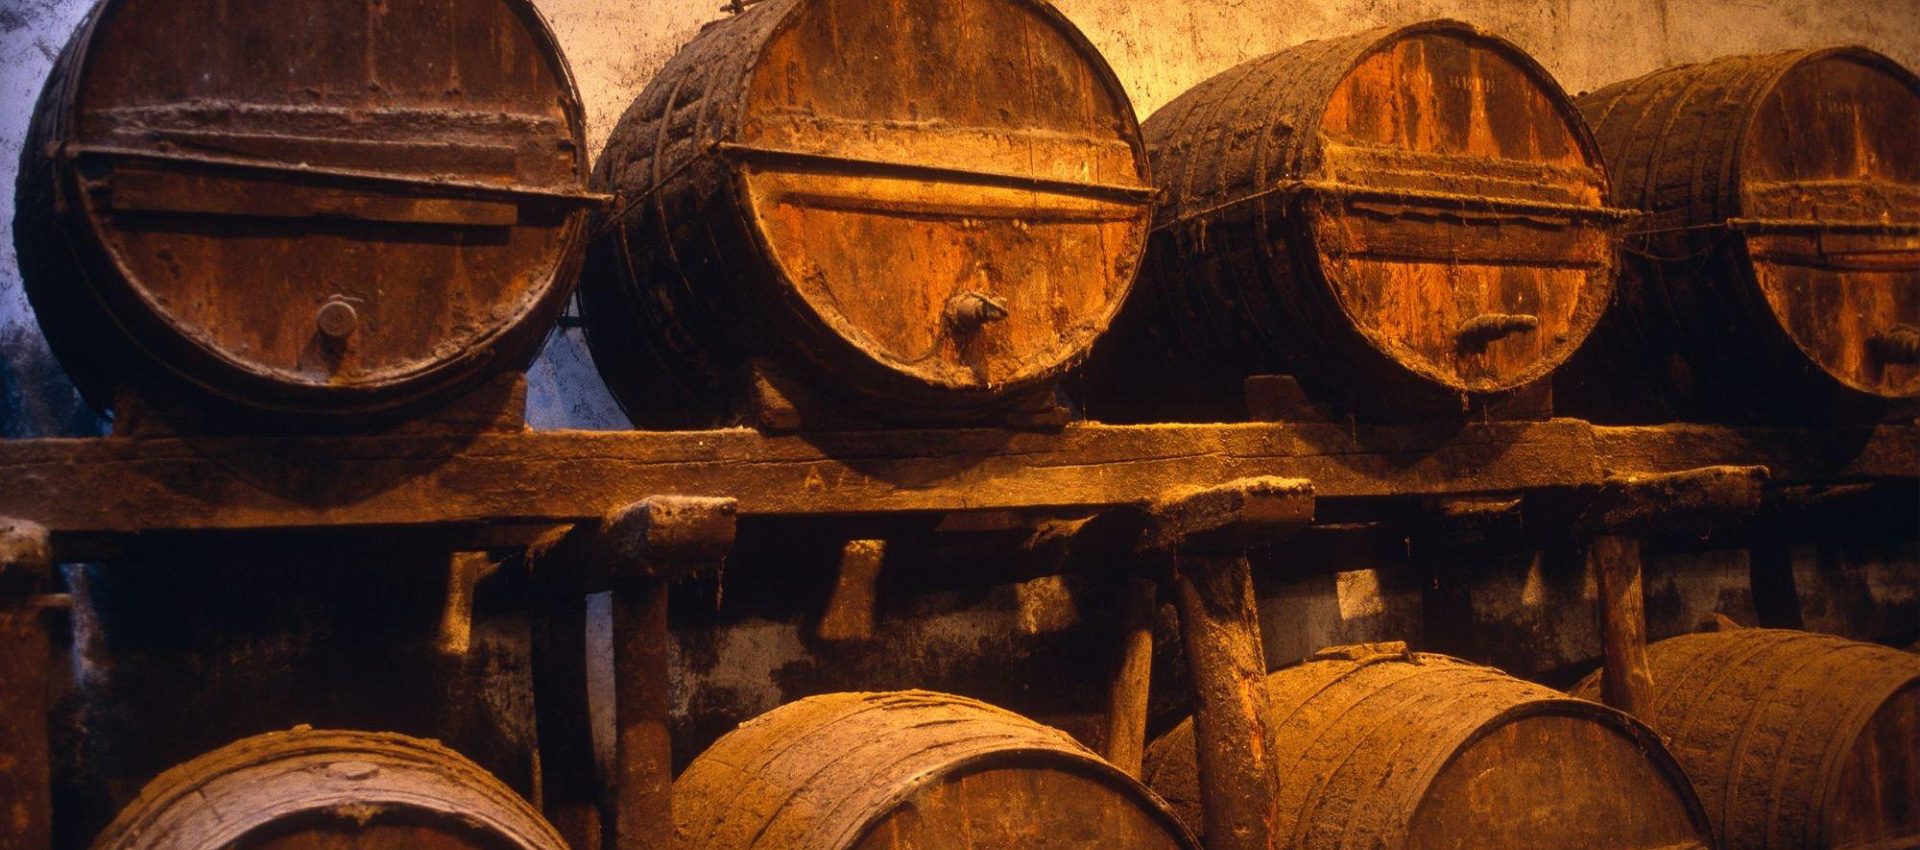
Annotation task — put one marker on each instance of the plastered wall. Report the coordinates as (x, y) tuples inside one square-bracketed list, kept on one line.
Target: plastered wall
[(1158, 47)]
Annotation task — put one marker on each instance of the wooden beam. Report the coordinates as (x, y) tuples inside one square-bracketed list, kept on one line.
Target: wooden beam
[(1792, 455), (120, 486)]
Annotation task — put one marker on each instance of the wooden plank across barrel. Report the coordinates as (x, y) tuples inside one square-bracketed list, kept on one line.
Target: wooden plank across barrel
[(1776, 275), (308, 211), (929, 209), (1385, 748), (1405, 219), (1793, 739)]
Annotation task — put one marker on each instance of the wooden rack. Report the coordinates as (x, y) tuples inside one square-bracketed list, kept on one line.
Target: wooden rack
[(632, 511)]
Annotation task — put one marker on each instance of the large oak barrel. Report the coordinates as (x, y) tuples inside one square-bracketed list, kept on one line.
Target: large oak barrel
[(926, 206), (321, 209), (310, 789), (1792, 739), (1777, 272), (1384, 749), (1404, 219), (909, 769)]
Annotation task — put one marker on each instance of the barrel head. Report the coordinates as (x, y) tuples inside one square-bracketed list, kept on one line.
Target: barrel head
[(1830, 196), (1458, 209), (955, 189), (1553, 780), (324, 199)]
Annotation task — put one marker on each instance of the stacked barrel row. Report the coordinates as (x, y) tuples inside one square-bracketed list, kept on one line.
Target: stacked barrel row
[(884, 205)]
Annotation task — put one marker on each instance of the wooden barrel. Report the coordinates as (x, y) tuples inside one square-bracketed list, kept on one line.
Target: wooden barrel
[(1403, 219), (909, 769), (1792, 739), (322, 209), (1384, 749), (309, 789), (1777, 272), (925, 206)]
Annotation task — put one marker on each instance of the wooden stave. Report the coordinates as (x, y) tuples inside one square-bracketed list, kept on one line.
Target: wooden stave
[(1689, 672), (202, 804), (1709, 345), (680, 355), (1285, 317), (110, 341), (1375, 803), (900, 750)]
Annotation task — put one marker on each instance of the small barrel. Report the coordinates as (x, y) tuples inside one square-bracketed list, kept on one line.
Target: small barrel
[(1403, 219), (318, 210), (910, 769), (1384, 749), (309, 788), (1793, 740), (1776, 275), (926, 207)]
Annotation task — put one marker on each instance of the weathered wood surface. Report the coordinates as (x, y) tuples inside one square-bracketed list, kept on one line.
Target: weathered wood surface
[(1794, 740), (1776, 276), (26, 798), (1789, 454), (934, 205), (125, 486), (1401, 218), (394, 213), (910, 769), (1622, 608), (96, 491), (306, 788), (1386, 748)]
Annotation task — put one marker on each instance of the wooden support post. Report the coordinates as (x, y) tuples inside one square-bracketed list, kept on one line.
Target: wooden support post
[(637, 552), (1126, 741), (26, 803), (1627, 509), (1627, 683), (569, 789), (851, 610), (1207, 533), (642, 745)]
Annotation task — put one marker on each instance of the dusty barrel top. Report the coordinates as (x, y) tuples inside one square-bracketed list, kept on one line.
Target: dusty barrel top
[(316, 207), (909, 769), (1777, 271), (1793, 739), (1379, 747), (934, 205), (1402, 216)]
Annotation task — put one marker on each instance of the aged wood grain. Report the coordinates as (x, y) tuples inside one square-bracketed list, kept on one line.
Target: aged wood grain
[(1402, 218), (92, 492), (928, 204), (126, 486), (309, 789), (1391, 749), (1793, 739), (318, 208), (1776, 276), (911, 769)]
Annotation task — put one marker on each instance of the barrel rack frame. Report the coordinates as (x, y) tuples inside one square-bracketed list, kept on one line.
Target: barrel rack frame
[(633, 511)]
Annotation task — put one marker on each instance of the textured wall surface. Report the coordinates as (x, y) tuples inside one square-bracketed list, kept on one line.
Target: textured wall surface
[(1158, 47)]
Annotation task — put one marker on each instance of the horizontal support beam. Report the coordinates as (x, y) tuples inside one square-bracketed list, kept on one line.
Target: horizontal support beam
[(94, 492)]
